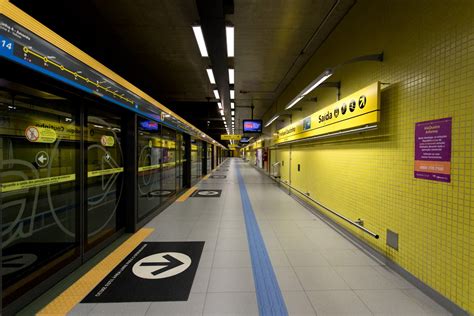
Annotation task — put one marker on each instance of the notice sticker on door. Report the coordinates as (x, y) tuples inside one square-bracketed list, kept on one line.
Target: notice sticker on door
[(37, 134), (107, 141)]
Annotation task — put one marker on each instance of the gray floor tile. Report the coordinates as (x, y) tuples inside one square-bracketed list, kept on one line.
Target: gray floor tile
[(398, 281), (348, 257), (232, 259), (390, 302), (232, 232), (340, 302), (366, 278), (236, 243), (201, 280), (193, 306), (428, 305), (306, 258), (132, 309), (278, 258), (298, 304), (82, 309), (231, 280), (218, 304), (287, 279), (206, 259), (320, 278)]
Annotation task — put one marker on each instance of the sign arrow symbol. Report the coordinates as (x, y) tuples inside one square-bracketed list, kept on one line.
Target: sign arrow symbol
[(42, 159), (171, 264)]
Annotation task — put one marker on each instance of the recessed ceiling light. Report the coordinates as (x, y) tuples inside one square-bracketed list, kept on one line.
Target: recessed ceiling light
[(229, 34), (210, 74), (216, 93), (233, 118), (231, 76), (200, 40)]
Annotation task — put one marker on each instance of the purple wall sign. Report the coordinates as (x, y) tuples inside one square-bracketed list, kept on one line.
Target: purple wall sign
[(433, 150)]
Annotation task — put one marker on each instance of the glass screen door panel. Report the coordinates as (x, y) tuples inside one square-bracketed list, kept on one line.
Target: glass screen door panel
[(150, 156), (39, 158), (104, 214), (169, 163)]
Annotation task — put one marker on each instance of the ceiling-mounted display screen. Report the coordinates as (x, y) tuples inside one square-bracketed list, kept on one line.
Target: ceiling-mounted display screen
[(252, 126)]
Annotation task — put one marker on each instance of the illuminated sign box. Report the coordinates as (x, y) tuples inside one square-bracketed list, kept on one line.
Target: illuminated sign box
[(361, 108)]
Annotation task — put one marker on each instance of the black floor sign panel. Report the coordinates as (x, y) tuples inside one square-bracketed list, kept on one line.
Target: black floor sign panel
[(218, 176), (154, 271), (209, 193)]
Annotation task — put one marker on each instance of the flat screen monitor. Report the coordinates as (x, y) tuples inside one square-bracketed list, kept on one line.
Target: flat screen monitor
[(252, 126), (149, 125)]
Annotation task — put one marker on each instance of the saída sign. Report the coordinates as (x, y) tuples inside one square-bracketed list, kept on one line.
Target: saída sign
[(358, 109)]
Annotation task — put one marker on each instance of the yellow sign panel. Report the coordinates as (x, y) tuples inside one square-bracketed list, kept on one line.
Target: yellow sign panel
[(358, 109), (37, 134), (26, 184), (104, 172), (230, 137), (232, 146)]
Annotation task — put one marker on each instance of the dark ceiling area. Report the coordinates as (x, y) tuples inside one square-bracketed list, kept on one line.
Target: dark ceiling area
[(151, 44)]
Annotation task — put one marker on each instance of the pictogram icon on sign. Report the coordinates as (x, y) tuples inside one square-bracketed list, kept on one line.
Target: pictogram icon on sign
[(344, 109), (352, 106), (32, 133), (42, 158), (362, 101), (161, 265)]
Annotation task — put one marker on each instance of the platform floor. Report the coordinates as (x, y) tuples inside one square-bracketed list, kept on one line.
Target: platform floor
[(319, 271)]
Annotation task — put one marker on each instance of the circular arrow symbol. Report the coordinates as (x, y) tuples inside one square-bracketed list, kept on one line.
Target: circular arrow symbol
[(208, 193), (161, 265), (42, 158)]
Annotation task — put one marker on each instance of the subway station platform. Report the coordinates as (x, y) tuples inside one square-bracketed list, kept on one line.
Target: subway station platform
[(263, 253)]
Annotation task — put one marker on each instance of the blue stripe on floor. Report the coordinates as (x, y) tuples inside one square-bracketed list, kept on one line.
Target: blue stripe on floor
[(269, 298)]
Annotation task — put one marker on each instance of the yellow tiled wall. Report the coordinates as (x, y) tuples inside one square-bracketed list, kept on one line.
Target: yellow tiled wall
[(429, 65)]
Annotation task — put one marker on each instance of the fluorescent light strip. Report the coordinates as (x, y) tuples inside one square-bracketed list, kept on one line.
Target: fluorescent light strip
[(232, 94), (232, 105), (232, 113), (292, 103), (222, 112), (229, 34), (231, 76), (223, 118), (314, 85), (219, 104), (216, 93), (233, 118), (272, 120), (200, 40), (210, 74)]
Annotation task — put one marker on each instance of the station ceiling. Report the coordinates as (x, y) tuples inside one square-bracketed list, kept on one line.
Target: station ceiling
[(151, 44)]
